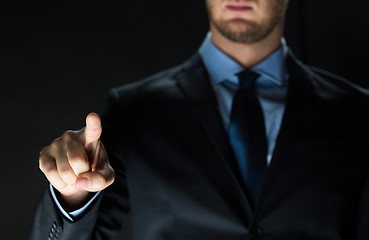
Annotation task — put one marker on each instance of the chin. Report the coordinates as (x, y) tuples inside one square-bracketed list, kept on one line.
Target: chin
[(240, 26)]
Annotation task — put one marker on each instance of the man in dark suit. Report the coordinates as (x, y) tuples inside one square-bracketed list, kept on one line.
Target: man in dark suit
[(190, 164)]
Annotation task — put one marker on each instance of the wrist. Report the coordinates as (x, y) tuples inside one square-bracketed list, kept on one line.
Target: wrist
[(73, 202)]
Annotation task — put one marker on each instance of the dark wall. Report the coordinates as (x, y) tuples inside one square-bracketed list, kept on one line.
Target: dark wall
[(59, 58), (337, 37)]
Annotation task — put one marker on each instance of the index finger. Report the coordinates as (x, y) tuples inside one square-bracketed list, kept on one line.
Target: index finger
[(93, 128)]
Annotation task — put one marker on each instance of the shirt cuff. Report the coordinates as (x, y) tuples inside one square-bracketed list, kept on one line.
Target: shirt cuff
[(72, 215)]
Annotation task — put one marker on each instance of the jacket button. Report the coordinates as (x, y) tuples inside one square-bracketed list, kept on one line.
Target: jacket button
[(54, 232)]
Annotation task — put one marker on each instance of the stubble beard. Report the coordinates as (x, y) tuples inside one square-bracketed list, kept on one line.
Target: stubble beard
[(247, 32)]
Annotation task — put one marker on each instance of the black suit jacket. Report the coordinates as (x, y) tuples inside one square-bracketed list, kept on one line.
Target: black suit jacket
[(177, 176)]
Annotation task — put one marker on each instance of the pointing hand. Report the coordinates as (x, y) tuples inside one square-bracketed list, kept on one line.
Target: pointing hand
[(76, 163)]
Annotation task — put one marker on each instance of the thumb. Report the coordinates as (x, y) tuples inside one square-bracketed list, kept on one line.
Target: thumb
[(97, 180), (93, 128)]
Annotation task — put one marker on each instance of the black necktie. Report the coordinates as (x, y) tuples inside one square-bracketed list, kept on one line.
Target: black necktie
[(247, 134)]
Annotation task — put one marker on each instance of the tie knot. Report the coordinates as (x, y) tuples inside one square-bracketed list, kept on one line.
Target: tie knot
[(247, 79)]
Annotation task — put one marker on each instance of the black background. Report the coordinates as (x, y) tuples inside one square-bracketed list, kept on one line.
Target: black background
[(59, 58)]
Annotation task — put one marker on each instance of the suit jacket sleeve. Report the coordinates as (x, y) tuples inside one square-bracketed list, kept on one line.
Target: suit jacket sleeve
[(104, 218)]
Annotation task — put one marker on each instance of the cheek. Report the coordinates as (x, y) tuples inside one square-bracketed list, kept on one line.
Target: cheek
[(271, 9), (214, 6), (214, 12)]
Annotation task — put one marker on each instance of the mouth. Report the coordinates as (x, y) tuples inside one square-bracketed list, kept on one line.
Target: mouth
[(238, 6)]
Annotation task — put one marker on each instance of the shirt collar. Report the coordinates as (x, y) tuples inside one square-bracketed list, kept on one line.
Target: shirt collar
[(221, 67)]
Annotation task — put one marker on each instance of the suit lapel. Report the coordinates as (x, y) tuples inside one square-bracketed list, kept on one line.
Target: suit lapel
[(299, 90), (195, 84)]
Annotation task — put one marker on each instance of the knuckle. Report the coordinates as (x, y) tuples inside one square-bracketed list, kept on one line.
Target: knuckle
[(55, 144), (44, 150), (45, 165), (67, 174), (77, 161), (51, 173), (81, 131), (72, 144), (68, 135)]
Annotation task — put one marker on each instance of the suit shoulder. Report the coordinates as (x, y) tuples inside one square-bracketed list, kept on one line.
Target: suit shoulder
[(162, 82), (325, 80)]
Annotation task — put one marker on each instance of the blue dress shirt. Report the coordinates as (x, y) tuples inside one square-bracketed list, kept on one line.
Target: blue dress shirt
[(271, 86), (271, 89)]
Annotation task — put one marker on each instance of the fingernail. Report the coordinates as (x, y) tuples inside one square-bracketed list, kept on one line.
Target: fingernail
[(83, 182)]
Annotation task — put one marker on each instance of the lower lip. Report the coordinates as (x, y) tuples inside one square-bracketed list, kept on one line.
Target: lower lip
[(239, 9)]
